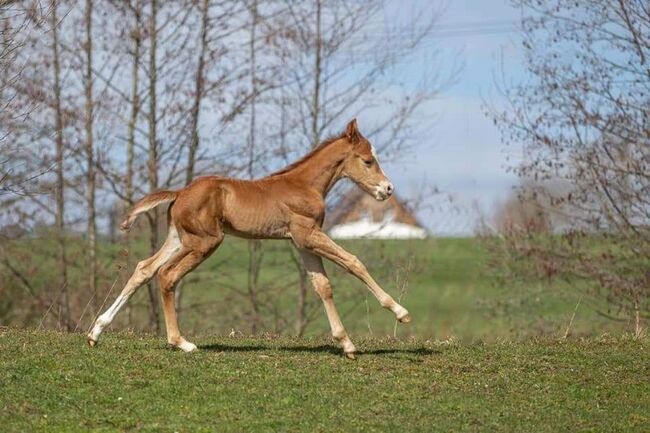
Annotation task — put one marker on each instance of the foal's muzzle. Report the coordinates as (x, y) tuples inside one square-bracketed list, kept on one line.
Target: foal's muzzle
[(384, 190)]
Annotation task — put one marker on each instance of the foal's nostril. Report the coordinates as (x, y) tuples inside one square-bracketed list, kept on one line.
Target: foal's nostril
[(390, 189)]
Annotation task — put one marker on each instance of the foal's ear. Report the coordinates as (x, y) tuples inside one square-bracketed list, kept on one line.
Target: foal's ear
[(352, 131)]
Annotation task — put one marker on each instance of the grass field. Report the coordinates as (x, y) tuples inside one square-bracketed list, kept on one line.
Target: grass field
[(482, 353), (54, 382)]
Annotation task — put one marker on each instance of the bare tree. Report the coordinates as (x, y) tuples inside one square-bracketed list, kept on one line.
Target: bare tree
[(90, 154), (583, 120), (255, 252), (199, 92), (13, 22), (16, 20), (136, 35), (60, 182), (152, 163)]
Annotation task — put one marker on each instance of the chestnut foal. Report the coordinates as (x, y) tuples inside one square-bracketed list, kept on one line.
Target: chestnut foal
[(289, 204)]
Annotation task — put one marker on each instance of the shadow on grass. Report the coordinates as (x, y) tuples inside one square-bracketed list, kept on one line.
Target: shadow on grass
[(419, 351), (323, 348), (227, 348)]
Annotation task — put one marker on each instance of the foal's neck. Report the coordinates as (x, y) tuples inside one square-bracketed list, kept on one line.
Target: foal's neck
[(323, 169)]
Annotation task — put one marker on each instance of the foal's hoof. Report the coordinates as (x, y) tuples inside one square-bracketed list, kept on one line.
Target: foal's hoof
[(350, 355), (91, 342), (185, 346), (405, 319)]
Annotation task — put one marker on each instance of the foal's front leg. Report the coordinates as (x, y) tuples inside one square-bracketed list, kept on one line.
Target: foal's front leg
[(319, 243)]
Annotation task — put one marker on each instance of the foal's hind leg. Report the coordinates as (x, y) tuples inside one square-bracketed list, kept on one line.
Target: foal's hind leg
[(320, 281), (144, 271), (194, 251)]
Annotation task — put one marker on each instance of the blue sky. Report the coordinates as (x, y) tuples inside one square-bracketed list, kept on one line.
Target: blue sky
[(464, 156)]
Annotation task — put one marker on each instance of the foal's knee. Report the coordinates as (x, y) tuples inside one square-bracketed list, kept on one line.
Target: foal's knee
[(324, 291), (322, 286), (143, 271), (166, 280)]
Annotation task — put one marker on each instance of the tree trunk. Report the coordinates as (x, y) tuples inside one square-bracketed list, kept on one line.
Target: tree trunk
[(64, 302), (254, 245), (253, 84), (90, 161), (130, 142), (152, 164), (198, 95), (301, 310), (315, 114), (254, 266)]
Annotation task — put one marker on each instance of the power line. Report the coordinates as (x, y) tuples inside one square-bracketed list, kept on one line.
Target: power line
[(469, 28)]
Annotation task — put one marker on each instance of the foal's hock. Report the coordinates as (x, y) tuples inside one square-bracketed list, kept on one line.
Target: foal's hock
[(288, 204)]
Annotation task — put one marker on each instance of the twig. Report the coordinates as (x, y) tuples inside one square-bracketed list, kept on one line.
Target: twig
[(402, 291), (568, 328), (638, 330), (84, 312), (56, 300), (101, 307), (368, 315)]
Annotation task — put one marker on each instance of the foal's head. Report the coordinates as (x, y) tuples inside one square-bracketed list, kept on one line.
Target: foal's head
[(362, 166)]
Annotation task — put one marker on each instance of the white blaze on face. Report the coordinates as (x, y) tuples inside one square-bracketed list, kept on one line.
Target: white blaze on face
[(384, 189), (374, 155)]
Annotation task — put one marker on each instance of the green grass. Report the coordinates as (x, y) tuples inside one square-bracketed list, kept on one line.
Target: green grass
[(54, 382)]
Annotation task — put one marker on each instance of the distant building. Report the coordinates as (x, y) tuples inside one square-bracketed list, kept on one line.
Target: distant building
[(359, 215)]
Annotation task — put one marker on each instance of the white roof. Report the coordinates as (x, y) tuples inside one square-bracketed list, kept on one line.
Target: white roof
[(383, 230)]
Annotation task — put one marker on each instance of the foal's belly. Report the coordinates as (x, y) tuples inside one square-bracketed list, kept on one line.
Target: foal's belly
[(257, 233), (255, 221)]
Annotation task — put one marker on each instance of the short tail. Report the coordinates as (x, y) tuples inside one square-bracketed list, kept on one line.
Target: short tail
[(148, 202)]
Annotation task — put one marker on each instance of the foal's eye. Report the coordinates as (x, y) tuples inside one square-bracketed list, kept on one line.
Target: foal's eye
[(368, 163)]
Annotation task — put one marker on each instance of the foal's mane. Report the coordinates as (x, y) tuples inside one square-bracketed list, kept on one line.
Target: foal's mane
[(314, 151)]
